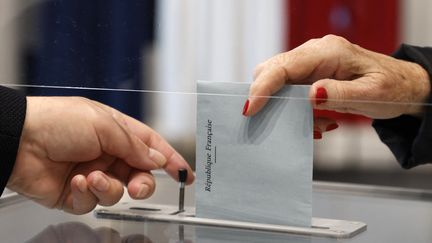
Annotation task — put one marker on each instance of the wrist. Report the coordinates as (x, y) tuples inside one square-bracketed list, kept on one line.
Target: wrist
[(420, 90)]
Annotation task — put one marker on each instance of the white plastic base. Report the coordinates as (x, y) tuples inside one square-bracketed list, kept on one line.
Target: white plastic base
[(321, 227)]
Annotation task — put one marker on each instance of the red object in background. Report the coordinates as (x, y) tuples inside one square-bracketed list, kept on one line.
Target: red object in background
[(371, 24)]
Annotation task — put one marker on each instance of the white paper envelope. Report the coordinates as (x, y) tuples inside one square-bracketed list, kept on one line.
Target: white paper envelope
[(255, 169)]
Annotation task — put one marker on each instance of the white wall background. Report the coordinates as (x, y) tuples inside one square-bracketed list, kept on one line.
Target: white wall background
[(219, 40), (14, 35), (222, 40), (8, 41), (416, 22)]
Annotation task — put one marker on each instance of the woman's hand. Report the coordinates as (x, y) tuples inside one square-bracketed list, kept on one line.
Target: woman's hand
[(76, 153), (344, 78)]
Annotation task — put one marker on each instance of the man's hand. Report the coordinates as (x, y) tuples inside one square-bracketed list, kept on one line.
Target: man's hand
[(76, 153)]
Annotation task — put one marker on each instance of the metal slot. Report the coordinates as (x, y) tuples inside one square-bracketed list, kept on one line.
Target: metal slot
[(145, 209), (164, 213), (320, 227)]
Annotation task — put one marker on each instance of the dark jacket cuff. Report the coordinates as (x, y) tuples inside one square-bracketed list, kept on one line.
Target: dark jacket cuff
[(12, 114), (408, 137)]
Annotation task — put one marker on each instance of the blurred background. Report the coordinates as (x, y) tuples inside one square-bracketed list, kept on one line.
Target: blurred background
[(166, 45)]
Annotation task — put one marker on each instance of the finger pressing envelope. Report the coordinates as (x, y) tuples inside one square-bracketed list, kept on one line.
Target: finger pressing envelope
[(266, 84), (292, 67)]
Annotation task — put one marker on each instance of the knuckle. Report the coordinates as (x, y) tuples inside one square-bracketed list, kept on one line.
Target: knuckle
[(79, 99), (337, 43), (260, 88), (254, 89), (307, 44), (258, 69), (383, 84), (313, 40), (259, 66), (93, 112), (363, 93), (277, 60), (334, 39), (282, 73), (340, 93)]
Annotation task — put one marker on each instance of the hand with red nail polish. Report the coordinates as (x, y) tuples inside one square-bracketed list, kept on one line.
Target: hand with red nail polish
[(75, 153), (331, 127), (321, 96), (245, 108), (345, 78)]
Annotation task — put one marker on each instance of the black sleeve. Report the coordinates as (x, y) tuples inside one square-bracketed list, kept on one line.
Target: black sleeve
[(408, 137), (12, 114)]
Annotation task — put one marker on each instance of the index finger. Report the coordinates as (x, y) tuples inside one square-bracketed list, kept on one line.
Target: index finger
[(311, 61), (174, 160)]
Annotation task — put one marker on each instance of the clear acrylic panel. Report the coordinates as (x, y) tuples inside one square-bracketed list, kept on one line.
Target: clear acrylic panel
[(144, 58)]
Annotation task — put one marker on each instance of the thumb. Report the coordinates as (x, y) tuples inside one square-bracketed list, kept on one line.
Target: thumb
[(345, 96)]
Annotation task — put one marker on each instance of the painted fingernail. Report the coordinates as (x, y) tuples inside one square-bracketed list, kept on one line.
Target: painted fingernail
[(332, 126), (143, 191), (317, 135), (321, 95), (157, 157), (100, 183), (245, 107)]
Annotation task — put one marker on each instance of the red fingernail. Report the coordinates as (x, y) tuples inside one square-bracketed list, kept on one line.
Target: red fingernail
[(317, 135), (245, 107), (332, 127), (321, 96)]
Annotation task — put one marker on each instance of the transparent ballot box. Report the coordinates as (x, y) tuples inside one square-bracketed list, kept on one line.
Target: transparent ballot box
[(335, 147), (349, 202)]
